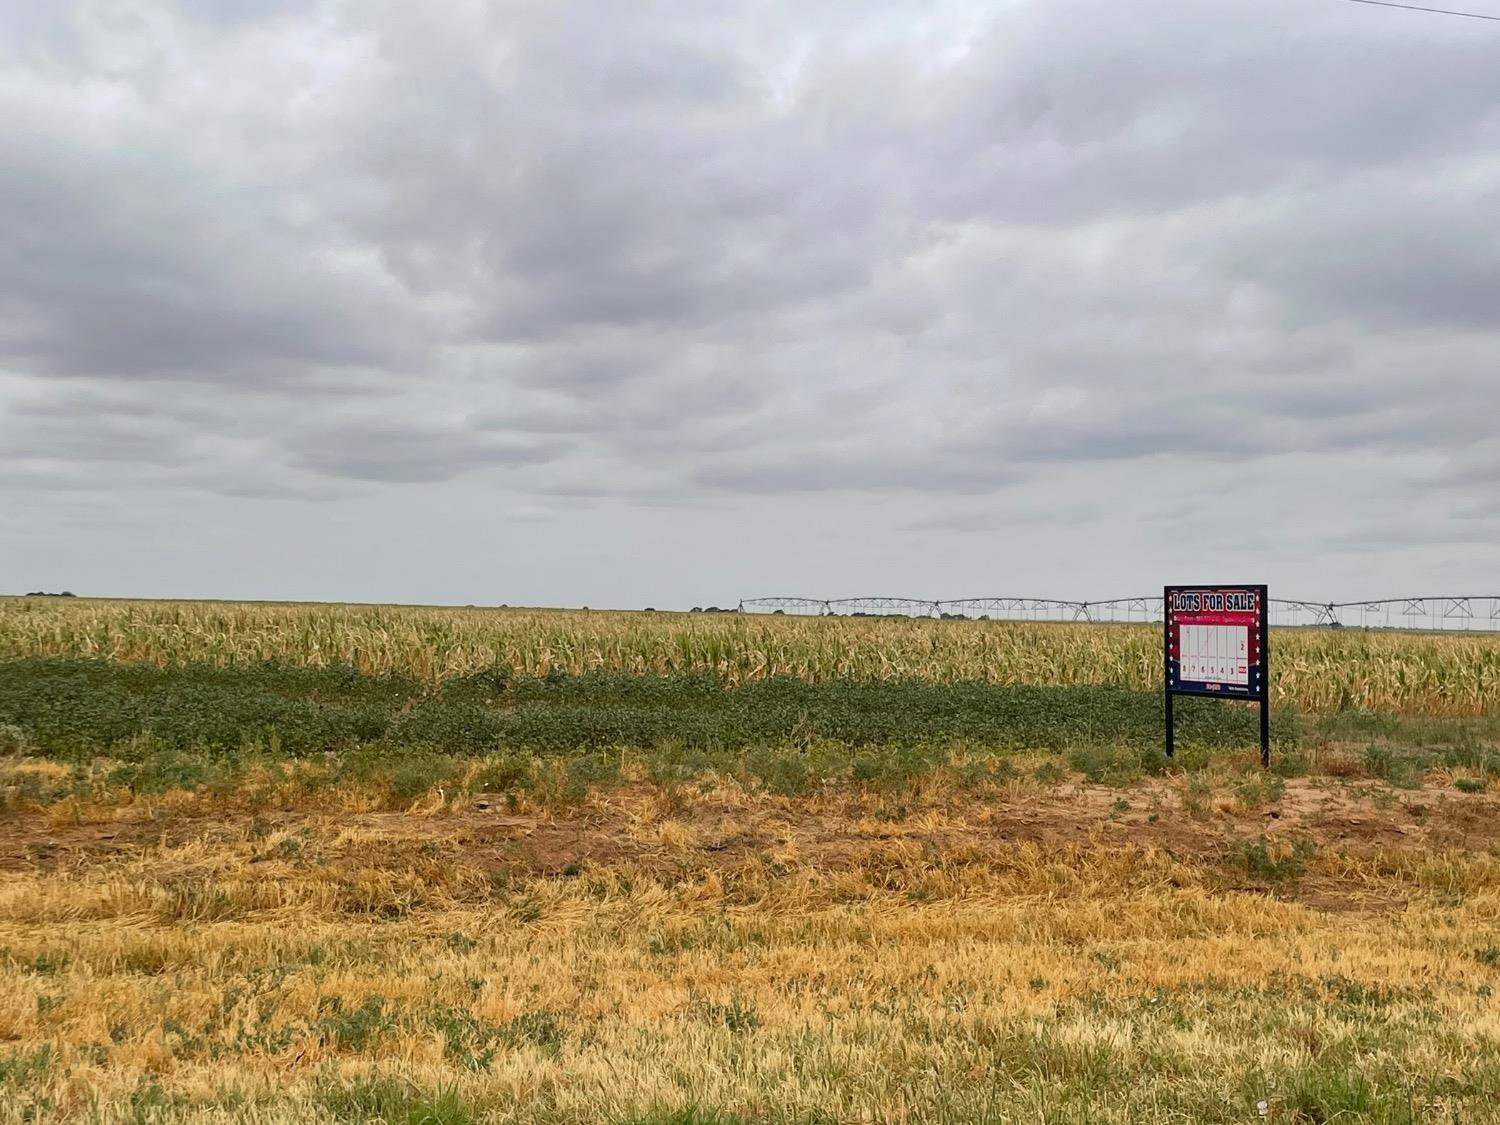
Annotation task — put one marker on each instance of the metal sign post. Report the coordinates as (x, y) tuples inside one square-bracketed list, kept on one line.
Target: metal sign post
[(1216, 642)]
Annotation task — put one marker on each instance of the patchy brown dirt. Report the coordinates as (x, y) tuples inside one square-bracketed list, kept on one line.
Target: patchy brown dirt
[(676, 835)]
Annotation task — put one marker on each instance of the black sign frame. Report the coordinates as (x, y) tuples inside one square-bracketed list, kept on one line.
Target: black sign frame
[(1260, 671)]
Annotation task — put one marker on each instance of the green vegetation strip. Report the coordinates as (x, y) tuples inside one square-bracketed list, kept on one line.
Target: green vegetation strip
[(78, 709)]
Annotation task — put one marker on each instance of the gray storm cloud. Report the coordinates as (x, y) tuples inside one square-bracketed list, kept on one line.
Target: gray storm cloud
[(1040, 255)]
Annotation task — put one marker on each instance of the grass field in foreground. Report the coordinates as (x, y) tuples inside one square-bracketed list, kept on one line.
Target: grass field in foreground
[(1313, 670), (1035, 948)]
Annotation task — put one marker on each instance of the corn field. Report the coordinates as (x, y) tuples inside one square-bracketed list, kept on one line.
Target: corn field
[(1313, 670)]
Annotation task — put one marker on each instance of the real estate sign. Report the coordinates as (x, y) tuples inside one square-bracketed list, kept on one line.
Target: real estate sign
[(1217, 644)]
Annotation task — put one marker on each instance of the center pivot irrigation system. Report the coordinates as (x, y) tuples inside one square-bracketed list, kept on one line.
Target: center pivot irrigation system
[(1448, 612)]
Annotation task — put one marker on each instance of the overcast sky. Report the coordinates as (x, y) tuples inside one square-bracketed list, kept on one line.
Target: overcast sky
[(629, 304)]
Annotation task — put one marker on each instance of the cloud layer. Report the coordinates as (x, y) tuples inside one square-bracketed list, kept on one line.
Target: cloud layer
[(573, 268)]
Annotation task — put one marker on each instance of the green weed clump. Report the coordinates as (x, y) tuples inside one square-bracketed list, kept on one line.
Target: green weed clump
[(1259, 789), (1271, 862), (394, 1102), (1120, 764), (1404, 769)]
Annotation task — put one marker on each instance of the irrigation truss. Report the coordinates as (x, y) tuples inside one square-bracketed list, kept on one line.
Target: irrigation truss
[(1470, 612)]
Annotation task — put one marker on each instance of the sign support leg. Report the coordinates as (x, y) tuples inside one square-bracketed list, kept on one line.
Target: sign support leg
[(1263, 632), (1265, 733), (1169, 725), (1166, 647)]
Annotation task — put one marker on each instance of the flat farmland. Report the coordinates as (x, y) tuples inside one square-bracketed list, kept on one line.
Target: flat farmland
[(297, 863), (1314, 670)]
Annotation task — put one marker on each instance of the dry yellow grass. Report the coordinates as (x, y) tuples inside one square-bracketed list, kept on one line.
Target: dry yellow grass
[(1314, 671), (866, 966)]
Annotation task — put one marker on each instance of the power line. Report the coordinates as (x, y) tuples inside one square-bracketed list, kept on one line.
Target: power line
[(1434, 11)]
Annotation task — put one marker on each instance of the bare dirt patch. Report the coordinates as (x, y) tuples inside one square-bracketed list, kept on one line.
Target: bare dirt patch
[(675, 836)]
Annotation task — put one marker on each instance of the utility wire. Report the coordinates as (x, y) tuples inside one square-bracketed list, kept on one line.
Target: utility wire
[(1434, 11)]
